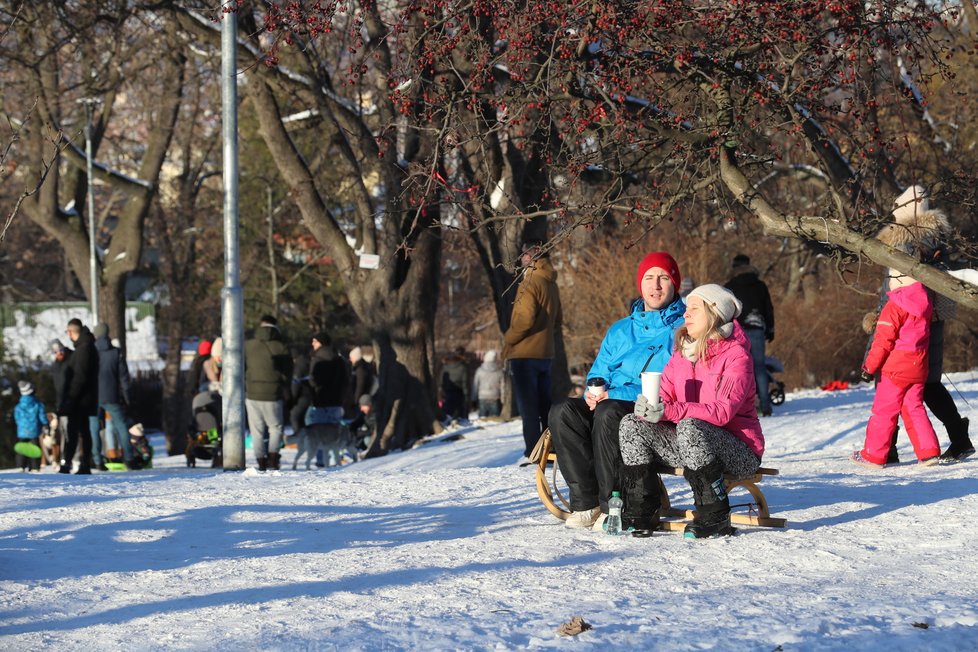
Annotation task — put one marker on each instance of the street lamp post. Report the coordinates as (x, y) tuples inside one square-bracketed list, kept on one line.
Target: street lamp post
[(89, 102), (232, 303)]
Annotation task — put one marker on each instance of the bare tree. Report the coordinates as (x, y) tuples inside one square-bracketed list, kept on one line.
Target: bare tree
[(61, 53)]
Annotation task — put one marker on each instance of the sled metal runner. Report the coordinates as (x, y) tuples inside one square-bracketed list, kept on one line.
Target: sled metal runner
[(673, 519)]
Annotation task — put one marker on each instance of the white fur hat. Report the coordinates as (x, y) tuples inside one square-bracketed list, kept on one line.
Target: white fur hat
[(490, 356), (911, 203), (723, 301)]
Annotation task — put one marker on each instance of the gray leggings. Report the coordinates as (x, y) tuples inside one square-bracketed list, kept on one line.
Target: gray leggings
[(691, 443)]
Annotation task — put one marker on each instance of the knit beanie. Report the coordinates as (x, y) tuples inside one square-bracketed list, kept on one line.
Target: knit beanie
[(57, 346), (490, 356), (101, 330), (26, 387), (204, 348), (217, 348), (911, 203), (723, 301), (323, 338), (662, 260)]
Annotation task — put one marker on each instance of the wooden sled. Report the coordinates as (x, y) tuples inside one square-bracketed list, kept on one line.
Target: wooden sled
[(673, 518)]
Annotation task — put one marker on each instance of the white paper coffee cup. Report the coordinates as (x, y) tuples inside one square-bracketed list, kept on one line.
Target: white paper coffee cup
[(650, 385)]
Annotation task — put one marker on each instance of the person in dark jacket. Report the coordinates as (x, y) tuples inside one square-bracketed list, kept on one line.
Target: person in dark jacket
[(757, 320), (455, 386), (268, 377), (585, 430), (113, 398), (80, 400), (59, 376), (328, 377), (328, 383)]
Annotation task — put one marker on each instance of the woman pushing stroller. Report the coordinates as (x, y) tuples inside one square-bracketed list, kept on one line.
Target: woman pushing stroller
[(704, 421)]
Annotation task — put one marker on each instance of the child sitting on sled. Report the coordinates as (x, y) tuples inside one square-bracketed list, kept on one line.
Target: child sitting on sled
[(31, 420)]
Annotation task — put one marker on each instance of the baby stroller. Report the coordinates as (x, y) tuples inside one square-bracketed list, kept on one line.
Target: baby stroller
[(775, 386), (204, 438)]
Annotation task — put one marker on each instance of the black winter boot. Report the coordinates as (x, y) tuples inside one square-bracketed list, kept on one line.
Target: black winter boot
[(262, 463), (273, 461), (961, 446), (640, 486), (712, 504)]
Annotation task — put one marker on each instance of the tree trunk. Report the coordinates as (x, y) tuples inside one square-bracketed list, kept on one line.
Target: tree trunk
[(176, 407)]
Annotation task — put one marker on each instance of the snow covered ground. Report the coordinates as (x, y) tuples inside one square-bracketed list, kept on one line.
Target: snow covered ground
[(447, 547)]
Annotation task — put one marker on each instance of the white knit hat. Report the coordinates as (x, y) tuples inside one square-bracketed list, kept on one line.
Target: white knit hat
[(26, 387), (490, 356), (723, 301), (911, 203)]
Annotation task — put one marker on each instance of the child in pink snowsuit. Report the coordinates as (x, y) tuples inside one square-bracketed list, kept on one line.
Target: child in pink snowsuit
[(899, 351)]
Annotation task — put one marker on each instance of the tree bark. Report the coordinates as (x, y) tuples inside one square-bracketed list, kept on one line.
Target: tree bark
[(835, 234)]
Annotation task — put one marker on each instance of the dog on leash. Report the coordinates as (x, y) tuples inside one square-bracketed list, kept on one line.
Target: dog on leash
[(49, 440), (330, 437)]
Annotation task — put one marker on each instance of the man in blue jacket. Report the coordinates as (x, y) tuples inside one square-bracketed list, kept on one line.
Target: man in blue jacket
[(585, 430)]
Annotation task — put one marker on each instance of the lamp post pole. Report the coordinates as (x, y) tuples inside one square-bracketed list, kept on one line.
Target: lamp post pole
[(92, 258), (232, 304)]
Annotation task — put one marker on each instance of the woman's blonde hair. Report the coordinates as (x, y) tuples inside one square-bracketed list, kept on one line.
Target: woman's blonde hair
[(712, 332)]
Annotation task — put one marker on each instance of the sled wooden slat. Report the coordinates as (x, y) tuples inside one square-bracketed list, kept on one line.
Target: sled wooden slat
[(674, 519)]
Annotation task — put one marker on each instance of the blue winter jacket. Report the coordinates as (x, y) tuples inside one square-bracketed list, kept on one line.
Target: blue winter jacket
[(30, 417), (642, 341)]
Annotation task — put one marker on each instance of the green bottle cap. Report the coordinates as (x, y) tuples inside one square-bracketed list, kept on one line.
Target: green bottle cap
[(615, 494)]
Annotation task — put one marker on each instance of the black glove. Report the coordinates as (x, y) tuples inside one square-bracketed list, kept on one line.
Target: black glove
[(866, 377), (648, 412)]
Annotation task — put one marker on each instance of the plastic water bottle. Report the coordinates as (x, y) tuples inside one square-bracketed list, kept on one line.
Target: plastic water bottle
[(614, 514)]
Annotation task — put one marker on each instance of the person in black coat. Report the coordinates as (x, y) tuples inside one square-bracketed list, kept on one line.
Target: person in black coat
[(113, 398), (328, 375), (757, 320), (80, 400), (59, 376)]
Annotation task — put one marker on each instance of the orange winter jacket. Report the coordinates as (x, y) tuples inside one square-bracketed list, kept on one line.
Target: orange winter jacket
[(536, 314)]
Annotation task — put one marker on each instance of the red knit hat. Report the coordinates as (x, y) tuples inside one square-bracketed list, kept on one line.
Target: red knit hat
[(659, 259), (204, 348)]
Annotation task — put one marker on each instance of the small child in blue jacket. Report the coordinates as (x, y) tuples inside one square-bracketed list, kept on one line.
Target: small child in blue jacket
[(31, 420)]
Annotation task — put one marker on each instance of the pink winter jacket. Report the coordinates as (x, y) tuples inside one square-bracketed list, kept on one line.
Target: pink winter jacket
[(718, 389), (902, 335)]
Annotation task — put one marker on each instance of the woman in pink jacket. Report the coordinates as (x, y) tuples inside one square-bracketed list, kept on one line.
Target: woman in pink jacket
[(705, 420), (899, 352)]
